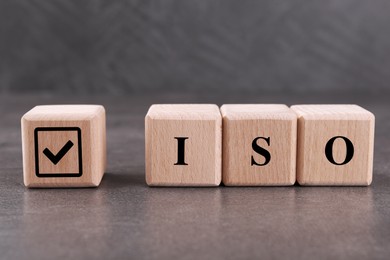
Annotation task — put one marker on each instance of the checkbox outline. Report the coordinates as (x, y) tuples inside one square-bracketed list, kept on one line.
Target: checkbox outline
[(57, 129)]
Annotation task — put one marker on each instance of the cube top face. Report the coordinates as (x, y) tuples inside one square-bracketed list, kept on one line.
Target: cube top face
[(259, 145), (64, 146), (183, 145), (64, 112), (181, 111), (336, 145), (253, 112), (332, 112)]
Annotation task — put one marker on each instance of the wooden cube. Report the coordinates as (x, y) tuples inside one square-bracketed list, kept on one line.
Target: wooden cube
[(259, 145), (64, 146), (335, 145), (183, 145)]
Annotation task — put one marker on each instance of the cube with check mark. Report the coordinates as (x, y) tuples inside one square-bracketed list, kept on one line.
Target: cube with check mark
[(64, 146)]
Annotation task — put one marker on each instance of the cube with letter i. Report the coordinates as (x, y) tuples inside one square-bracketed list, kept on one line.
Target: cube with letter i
[(335, 145), (183, 145), (64, 146), (259, 145)]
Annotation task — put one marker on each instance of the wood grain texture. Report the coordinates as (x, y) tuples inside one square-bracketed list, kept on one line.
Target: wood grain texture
[(51, 127), (241, 125), (202, 125), (317, 124)]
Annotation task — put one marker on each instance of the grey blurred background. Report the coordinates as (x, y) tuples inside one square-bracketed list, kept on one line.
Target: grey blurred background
[(143, 46)]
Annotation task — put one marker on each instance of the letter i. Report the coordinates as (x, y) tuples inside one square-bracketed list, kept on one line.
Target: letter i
[(180, 150)]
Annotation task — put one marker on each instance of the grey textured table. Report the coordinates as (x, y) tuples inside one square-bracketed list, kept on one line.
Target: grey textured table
[(124, 218)]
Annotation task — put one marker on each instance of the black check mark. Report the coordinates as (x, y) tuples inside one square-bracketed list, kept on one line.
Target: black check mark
[(56, 158)]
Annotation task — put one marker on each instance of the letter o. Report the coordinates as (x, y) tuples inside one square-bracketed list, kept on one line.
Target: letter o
[(329, 150)]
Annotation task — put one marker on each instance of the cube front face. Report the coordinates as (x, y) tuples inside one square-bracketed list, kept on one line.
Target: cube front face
[(336, 151), (183, 152), (64, 152), (260, 151)]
